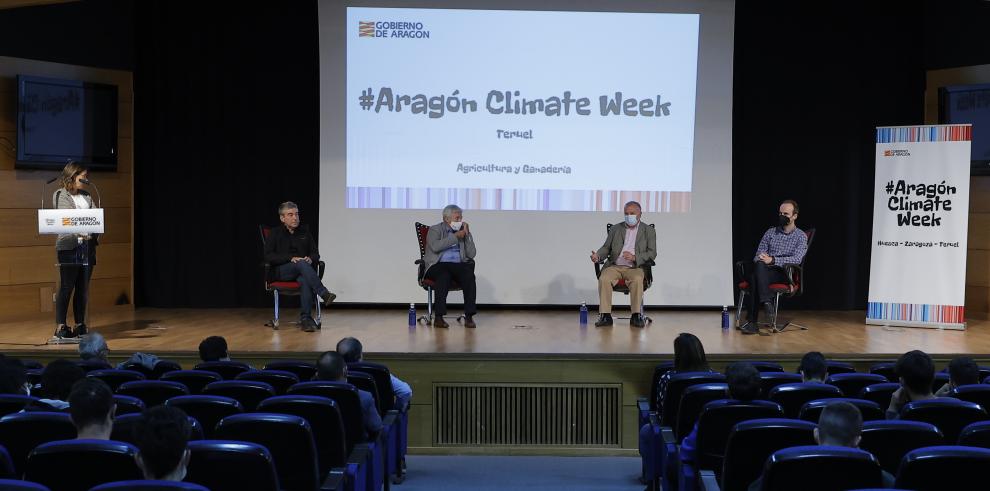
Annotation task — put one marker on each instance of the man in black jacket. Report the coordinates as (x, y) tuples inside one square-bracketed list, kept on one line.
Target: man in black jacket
[(291, 251)]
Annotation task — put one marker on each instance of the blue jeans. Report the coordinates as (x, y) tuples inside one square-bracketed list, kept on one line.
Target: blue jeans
[(310, 285)]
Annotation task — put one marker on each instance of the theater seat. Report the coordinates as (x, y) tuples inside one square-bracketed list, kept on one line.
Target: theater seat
[(288, 438), (123, 428), (248, 392), (716, 422), (948, 414), (22, 432), (12, 403), (976, 435), (751, 442), (152, 392), (78, 465), (769, 380), (793, 396), (978, 393), (945, 467), (692, 402), (194, 380), (161, 367), (114, 378), (821, 467), (812, 410), (852, 383), (887, 370), (6, 465), (889, 441), (879, 393), (280, 380), (18, 485), (303, 369), (833, 367), (127, 404), (222, 465), (208, 410), (226, 369)]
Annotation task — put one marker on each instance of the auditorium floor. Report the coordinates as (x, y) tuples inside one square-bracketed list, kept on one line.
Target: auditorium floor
[(503, 332)]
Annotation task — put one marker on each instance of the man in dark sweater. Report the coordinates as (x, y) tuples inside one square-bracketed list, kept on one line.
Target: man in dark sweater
[(291, 251)]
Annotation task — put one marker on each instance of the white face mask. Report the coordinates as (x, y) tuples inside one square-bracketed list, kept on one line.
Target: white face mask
[(455, 225), (631, 220)]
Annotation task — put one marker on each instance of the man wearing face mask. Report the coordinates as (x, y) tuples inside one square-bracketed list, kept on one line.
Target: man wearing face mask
[(781, 245), (629, 246), (450, 257)]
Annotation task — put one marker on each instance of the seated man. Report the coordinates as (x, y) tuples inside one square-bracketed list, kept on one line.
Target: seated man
[(13, 377), (917, 373), (93, 347), (291, 250), (213, 348), (962, 371), (744, 385), (449, 257), (813, 367), (330, 367), (161, 436), (352, 351), (781, 245), (92, 409), (840, 425), (627, 248), (57, 380)]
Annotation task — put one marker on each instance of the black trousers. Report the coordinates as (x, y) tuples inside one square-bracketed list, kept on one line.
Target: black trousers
[(760, 277), (443, 274), (74, 282)]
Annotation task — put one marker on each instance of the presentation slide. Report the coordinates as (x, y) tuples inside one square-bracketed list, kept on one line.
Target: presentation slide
[(539, 120), (520, 110)]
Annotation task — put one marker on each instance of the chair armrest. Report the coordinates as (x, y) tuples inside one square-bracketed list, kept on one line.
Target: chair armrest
[(793, 272), (335, 480), (740, 270), (320, 268), (643, 404), (667, 433), (598, 268), (708, 480)]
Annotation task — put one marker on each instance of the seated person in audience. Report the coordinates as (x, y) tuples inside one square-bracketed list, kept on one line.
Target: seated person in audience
[(161, 436), (353, 352), (743, 380), (93, 347), (213, 348), (689, 356), (962, 371), (57, 380), (92, 409), (813, 367), (330, 367), (840, 425), (13, 377), (917, 373)]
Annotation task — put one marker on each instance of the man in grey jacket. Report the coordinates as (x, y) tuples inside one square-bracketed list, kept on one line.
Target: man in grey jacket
[(629, 245), (450, 257)]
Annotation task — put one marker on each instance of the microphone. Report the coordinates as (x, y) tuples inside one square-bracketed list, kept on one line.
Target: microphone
[(85, 181)]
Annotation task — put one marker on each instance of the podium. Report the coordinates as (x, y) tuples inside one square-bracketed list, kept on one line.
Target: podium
[(56, 221)]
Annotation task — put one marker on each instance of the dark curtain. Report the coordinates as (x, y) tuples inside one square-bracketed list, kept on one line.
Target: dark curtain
[(226, 128), (810, 85)]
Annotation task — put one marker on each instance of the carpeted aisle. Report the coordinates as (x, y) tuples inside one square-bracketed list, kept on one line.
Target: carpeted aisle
[(478, 473)]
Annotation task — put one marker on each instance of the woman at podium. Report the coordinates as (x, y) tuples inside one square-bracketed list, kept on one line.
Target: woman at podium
[(76, 253)]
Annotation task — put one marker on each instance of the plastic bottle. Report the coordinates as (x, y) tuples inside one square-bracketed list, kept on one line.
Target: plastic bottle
[(412, 314), (583, 318), (725, 318)]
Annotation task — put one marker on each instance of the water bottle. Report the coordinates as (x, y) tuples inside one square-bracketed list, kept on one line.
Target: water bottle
[(725, 318), (412, 314), (584, 313)]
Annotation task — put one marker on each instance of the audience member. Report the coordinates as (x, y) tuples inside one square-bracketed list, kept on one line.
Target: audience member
[(689, 356), (962, 371), (161, 436), (93, 347), (330, 367), (92, 409), (743, 380), (917, 373), (57, 380), (213, 348), (13, 377), (353, 352), (840, 425), (813, 367)]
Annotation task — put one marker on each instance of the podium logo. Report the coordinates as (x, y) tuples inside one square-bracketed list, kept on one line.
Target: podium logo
[(392, 29), (66, 221), (366, 29), (50, 222), (896, 153)]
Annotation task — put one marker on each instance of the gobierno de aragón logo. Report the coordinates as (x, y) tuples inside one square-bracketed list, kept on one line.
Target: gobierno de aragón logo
[(392, 29)]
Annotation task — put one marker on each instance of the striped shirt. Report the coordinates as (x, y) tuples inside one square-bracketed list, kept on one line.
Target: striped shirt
[(783, 247)]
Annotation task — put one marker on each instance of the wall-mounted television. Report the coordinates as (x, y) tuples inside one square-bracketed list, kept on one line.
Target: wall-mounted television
[(958, 104), (62, 120)]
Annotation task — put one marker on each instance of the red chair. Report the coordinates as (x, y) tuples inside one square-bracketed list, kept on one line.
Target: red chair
[(424, 282), (793, 287), (277, 287), (621, 287)]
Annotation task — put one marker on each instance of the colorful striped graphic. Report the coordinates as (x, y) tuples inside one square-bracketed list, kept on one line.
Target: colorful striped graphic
[(943, 133), (516, 199), (942, 314), (366, 29)]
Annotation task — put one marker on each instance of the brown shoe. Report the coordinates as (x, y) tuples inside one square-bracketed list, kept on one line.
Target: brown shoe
[(439, 322), (469, 322)]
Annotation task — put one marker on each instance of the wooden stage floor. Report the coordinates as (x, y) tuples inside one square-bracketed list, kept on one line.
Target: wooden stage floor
[(499, 333)]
